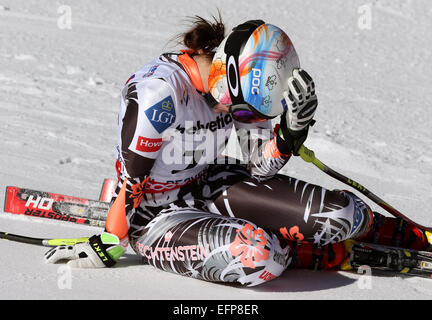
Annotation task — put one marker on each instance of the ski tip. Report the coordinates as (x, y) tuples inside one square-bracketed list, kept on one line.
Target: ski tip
[(108, 189), (346, 265), (9, 194), (429, 236)]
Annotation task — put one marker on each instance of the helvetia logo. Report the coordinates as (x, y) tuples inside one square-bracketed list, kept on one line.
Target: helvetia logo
[(190, 127)]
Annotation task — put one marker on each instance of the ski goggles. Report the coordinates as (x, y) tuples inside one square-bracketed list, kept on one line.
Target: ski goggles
[(246, 114), (240, 112)]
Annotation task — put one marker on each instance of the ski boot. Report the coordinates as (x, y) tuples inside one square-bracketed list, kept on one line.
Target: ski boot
[(311, 256), (396, 232)]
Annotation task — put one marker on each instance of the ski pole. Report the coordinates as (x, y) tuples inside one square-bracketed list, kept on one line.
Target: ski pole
[(42, 242), (308, 155)]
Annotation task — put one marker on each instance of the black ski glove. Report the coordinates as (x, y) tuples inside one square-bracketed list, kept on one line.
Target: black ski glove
[(289, 141)]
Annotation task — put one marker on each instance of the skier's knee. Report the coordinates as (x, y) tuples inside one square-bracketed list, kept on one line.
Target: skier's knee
[(348, 218), (259, 254), (360, 215)]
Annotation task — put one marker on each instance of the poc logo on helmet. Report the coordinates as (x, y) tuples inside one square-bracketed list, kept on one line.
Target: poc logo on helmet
[(256, 81)]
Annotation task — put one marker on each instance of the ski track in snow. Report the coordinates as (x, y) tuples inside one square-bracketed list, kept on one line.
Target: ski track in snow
[(59, 97)]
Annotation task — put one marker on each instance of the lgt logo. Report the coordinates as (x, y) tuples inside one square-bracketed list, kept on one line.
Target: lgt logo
[(162, 114)]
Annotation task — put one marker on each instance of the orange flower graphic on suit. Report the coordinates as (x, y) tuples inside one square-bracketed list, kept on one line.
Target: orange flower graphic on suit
[(138, 192), (293, 234), (249, 244)]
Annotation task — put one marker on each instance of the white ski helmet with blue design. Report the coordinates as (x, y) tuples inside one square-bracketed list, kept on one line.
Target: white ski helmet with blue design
[(251, 67)]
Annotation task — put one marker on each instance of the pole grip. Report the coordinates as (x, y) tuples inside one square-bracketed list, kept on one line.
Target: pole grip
[(308, 156)]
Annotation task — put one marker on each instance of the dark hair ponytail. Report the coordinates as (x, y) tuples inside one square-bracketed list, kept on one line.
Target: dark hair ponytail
[(204, 35)]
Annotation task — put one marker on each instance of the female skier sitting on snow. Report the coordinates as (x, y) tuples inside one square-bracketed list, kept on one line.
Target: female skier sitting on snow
[(186, 209)]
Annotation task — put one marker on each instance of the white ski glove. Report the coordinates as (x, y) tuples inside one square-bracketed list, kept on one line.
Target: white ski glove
[(101, 251), (300, 100), (300, 104)]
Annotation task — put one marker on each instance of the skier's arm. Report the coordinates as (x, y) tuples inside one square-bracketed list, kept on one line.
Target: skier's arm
[(149, 112), (141, 140), (258, 145), (268, 155)]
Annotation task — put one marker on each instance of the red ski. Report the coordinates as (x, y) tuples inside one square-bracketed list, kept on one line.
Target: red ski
[(55, 206)]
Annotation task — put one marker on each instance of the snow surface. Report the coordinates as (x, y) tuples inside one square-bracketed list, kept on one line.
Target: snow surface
[(59, 96)]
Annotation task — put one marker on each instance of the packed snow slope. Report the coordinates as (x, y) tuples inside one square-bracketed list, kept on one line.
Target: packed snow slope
[(59, 96)]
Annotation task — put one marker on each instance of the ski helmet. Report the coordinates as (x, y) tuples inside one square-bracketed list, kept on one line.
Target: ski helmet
[(250, 70)]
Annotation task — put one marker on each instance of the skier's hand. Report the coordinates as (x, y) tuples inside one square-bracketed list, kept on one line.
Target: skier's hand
[(101, 251), (301, 101)]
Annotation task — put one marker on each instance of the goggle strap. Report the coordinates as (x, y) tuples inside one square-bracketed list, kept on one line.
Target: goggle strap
[(233, 45), (211, 101)]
